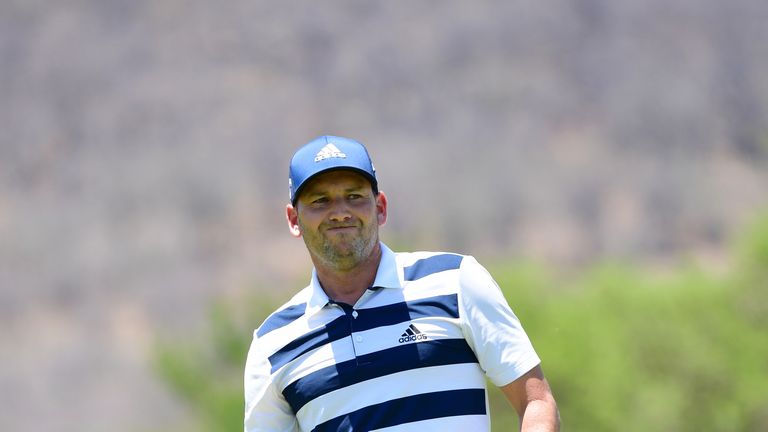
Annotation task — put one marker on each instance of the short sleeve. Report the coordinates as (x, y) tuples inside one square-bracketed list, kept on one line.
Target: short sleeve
[(265, 408), (491, 328)]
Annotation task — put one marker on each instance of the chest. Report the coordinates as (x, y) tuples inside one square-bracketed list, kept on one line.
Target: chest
[(359, 345)]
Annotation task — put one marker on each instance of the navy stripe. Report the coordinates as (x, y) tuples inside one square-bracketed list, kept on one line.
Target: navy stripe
[(409, 409), (401, 358), (281, 318), (333, 331), (438, 306), (434, 264)]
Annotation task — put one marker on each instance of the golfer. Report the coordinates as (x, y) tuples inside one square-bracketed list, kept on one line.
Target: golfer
[(382, 340)]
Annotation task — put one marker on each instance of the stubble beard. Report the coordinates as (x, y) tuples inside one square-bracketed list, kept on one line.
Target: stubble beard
[(347, 252)]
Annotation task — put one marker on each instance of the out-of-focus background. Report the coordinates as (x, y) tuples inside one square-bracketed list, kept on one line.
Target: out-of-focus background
[(143, 163)]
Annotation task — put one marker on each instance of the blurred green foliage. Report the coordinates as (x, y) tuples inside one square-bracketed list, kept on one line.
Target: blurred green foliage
[(623, 348)]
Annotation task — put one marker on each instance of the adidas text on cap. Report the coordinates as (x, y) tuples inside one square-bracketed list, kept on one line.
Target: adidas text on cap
[(328, 153)]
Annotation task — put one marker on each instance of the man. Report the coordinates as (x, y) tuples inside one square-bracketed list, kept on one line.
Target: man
[(382, 340)]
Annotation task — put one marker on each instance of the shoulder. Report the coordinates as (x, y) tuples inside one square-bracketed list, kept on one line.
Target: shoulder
[(417, 265), (461, 270)]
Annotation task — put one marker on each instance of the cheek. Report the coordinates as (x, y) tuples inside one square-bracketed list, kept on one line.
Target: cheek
[(308, 225)]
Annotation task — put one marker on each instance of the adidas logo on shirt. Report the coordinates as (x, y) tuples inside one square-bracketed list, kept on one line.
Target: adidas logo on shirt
[(329, 151), (412, 334)]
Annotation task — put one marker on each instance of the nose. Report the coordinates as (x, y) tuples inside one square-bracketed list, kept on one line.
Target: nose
[(340, 211)]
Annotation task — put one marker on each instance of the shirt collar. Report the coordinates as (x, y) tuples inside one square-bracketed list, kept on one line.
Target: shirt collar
[(387, 276)]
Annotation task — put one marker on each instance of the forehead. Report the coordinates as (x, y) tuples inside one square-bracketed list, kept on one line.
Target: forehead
[(339, 179)]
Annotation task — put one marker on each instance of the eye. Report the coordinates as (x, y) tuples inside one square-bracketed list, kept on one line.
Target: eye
[(354, 196)]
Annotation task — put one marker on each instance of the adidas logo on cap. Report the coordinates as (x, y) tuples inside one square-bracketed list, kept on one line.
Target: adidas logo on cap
[(412, 334), (329, 151)]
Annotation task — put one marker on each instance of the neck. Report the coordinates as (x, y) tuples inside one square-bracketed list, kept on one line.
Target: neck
[(347, 286)]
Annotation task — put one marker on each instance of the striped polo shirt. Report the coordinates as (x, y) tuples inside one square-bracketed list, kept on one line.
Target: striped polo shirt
[(411, 355)]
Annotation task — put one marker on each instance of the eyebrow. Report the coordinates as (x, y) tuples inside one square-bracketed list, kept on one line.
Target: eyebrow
[(312, 191)]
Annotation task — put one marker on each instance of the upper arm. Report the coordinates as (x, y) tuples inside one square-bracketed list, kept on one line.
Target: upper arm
[(495, 334)]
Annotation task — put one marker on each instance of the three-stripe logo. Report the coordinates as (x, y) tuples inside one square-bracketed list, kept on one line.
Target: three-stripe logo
[(329, 151), (412, 334)]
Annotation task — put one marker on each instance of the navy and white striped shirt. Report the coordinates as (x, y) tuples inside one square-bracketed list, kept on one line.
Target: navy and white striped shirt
[(411, 355)]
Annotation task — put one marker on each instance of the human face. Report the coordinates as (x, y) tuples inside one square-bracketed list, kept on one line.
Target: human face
[(338, 216)]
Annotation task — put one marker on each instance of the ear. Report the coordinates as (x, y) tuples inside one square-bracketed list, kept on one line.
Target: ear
[(381, 208), (292, 216)]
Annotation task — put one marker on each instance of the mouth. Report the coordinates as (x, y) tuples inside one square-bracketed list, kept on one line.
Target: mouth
[(341, 229)]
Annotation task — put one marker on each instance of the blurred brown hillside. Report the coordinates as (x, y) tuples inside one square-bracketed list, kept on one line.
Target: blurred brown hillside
[(144, 149)]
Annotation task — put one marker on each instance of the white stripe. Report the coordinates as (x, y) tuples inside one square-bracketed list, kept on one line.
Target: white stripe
[(436, 285), (386, 388), (467, 423)]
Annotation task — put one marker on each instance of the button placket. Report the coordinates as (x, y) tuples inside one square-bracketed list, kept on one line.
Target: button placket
[(358, 338)]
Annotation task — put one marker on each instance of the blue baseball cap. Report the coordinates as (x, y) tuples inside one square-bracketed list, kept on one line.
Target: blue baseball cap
[(328, 153)]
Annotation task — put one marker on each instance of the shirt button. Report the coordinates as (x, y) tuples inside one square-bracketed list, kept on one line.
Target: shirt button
[(358, 338), (354, 314)]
